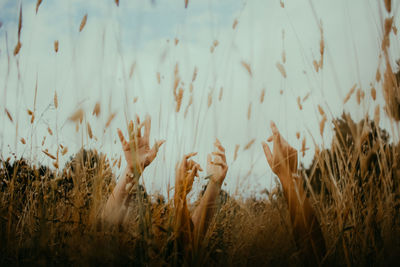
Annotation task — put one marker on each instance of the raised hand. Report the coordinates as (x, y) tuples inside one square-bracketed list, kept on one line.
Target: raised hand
[(306, 228), (217, 167), (185, 173), (138, 153), (283, 159)]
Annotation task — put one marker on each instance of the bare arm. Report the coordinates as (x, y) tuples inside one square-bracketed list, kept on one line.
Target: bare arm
[(306, 228), (185, 173), (205, 211), (138, 156), (116, 208)]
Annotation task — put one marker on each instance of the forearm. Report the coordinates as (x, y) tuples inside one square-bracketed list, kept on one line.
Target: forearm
[(183, 225), (307, 231), (115, 207), (206, 209)]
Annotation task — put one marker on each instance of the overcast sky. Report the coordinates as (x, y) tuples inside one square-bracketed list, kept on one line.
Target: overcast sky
[(120, 51)]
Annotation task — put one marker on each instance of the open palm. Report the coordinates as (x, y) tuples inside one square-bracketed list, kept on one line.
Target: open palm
[(137, 151)]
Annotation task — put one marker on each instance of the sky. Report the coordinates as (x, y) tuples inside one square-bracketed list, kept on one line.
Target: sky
[(235, 46)]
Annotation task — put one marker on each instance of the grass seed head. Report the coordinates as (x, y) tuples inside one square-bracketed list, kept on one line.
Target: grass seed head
[(388, 5), (89, 129), (37, 5), (194, 76), (349, 93), (247, 67), (178, 99), (303, 146), (373, 93), (281, 69), (158, 77), (77, 115), (235, 23), (322, 125), (56, 46), (17, 48), (316, 65), (221, 92), (236, 152), (321, 111), (64, 151), (209, 102), (48, 154), (377, 115), (249, 111), (299, 103), (378, 75), (262, 96), (96, 109), (83, 22), (249, 144), (110, 119), (9, 115), (55, 100)]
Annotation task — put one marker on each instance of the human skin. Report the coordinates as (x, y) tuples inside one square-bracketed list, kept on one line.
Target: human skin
[(306, 229), (204, 212), (138, 156), (192, 229)]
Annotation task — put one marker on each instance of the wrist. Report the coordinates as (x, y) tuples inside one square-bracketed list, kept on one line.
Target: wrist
[(215, 182), (131, 176)]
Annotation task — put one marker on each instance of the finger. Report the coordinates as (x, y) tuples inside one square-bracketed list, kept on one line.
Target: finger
[(208, 159), (219, 145), (220, 155), (274, 129), (147, 126), (199, 168), (139, 130), (137, 119), (276, 137), (187, 156), (130, 130), (121, 137), (154, 149), (191, 176), (191, 163), (268, 153), (270, 138), (158, 144)]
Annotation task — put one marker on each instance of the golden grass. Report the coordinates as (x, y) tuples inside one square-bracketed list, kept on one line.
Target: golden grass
[(83, 22), (352, 186), (52, 217), (281, 69)]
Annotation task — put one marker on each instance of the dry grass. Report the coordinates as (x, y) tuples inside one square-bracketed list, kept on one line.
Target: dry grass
[(53, 217), (355, 188)]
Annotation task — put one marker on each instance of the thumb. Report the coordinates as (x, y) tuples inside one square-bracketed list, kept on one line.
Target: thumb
[(155, 148)]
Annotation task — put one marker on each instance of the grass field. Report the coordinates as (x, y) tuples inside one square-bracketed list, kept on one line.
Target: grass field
[(50, 211)]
